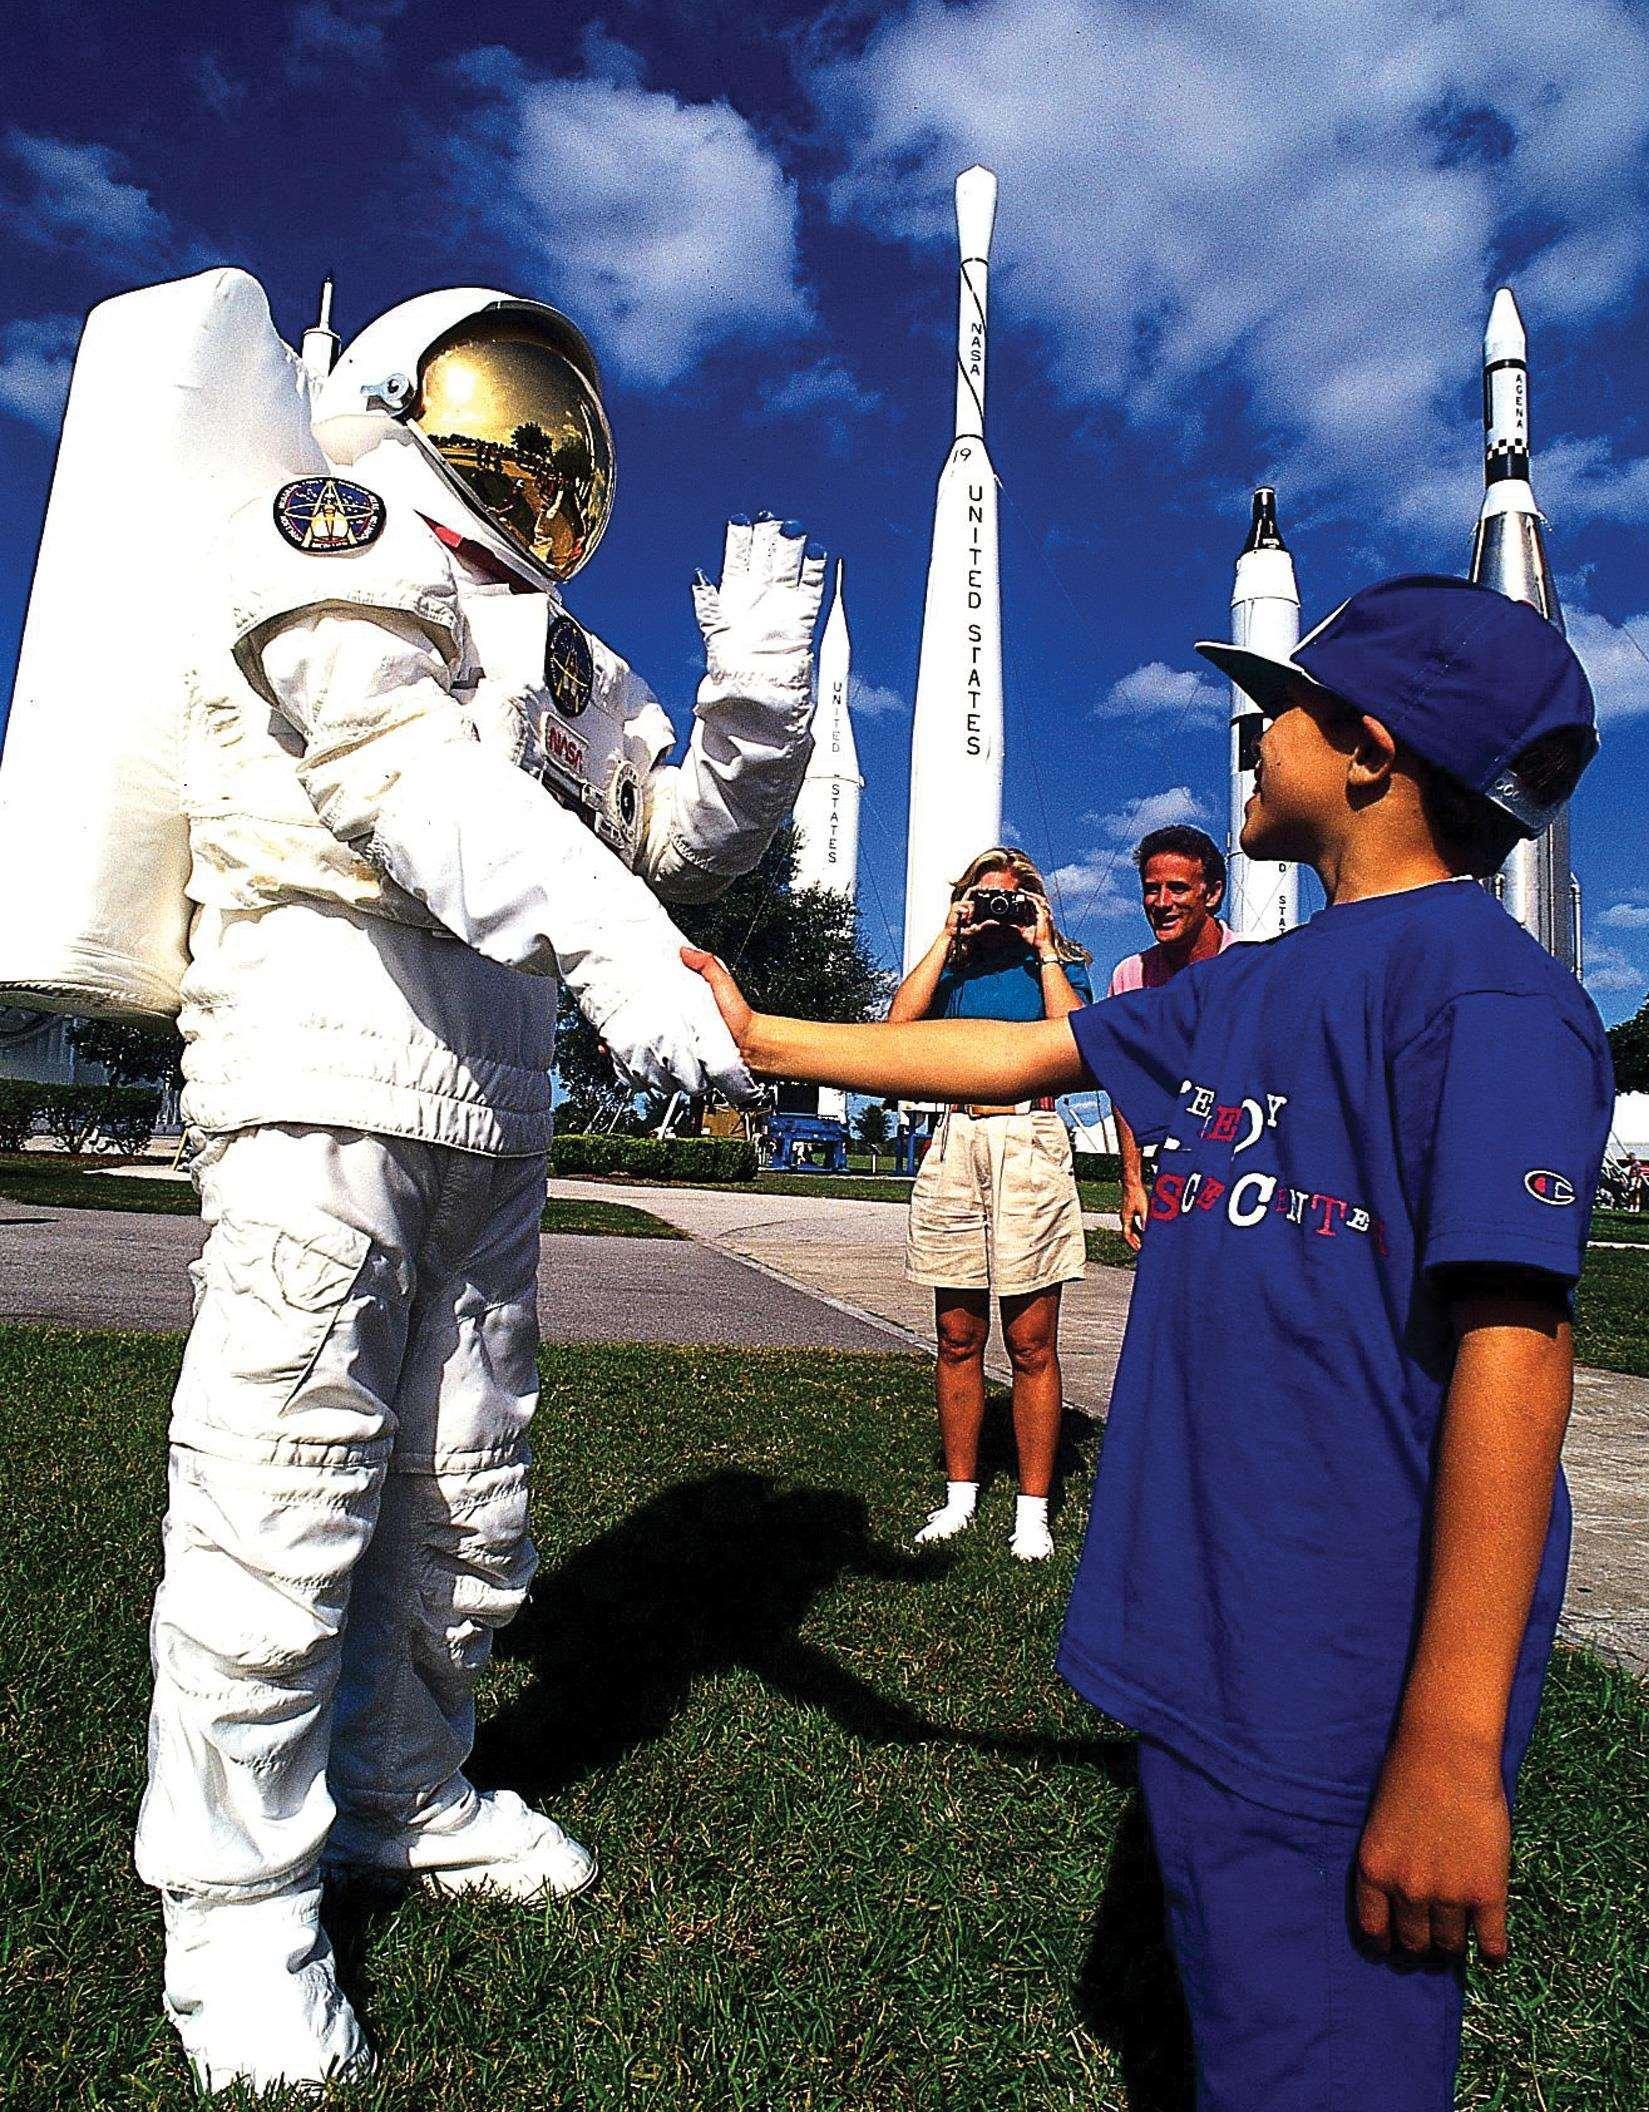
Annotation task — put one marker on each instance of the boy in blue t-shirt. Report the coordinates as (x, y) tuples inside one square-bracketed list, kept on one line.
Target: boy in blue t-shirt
[(1329, 1536)]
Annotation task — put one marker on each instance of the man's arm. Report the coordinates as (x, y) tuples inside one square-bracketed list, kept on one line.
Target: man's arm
[(1135, 1203), (1436, 1849), (926, 1059)]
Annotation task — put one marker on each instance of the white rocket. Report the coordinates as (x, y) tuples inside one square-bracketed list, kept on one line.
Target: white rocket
[(956, 736), (827, 807), (1509, 553), (1262, 896)]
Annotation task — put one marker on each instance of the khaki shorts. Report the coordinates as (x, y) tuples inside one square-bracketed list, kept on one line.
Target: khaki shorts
[(995, 1207)]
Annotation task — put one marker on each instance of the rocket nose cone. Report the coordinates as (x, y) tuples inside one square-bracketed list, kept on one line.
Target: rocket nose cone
[(1505, 337)]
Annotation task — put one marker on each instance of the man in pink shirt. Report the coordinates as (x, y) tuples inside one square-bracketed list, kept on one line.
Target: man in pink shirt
[(1182, 883)]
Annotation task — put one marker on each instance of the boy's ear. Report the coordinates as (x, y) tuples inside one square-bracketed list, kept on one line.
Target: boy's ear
[(1372, 757)]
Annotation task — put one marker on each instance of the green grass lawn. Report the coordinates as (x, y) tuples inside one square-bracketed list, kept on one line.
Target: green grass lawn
[(1631, 1226), (1611, 1306), (591, 1215), (861, 1851), (72, 1187)]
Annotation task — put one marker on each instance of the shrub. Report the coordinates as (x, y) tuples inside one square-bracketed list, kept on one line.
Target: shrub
[(1098, 1166), (128, 1116), (656, 1158), (22, 1102), (122, 1117), (69, 1114)]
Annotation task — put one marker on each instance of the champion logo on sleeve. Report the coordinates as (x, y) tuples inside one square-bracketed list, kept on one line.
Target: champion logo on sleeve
[(1547, 1187)]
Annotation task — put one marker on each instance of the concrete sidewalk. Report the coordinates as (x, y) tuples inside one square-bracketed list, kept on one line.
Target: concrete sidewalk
[(853, 1254)]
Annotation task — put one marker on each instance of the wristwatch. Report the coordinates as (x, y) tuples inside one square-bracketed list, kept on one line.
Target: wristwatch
[(1049, 960)]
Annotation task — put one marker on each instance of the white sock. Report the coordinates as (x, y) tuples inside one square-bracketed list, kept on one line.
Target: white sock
[(1032, 1541), (954, 1515)]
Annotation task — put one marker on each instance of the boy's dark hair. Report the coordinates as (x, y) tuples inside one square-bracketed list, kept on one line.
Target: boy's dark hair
[(1473, 834), (1185, 842)]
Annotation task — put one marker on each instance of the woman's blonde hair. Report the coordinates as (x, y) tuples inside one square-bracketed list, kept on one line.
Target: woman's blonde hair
[(1004, 858)]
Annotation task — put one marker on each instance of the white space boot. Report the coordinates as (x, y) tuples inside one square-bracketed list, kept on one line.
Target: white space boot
[(252, 1989), (489, 1840)]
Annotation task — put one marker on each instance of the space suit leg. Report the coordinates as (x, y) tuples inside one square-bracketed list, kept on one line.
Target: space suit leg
[(448, 1566), (282, 1427)]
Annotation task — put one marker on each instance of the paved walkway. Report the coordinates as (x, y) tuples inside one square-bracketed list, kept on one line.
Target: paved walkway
[(120, 1268), (853, 1253)]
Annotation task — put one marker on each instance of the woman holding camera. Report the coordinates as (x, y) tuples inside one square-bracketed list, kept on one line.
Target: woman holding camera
[(995, 1208)]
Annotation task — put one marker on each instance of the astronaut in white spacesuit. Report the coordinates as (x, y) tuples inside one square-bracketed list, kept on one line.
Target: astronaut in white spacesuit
[(409, 777)]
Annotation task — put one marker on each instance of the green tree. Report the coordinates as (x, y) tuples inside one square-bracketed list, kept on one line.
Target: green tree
[(1629, 1045), (132, 1055), (873, 1127)]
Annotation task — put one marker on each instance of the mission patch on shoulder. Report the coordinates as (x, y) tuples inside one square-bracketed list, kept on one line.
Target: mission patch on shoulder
[(569, 667), (326, 513)]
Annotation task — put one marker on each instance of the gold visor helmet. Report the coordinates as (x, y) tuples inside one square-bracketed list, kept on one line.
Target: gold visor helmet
[(510, 399)]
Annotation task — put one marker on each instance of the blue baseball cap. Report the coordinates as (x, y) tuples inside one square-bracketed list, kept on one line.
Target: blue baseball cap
[(1463, 675)]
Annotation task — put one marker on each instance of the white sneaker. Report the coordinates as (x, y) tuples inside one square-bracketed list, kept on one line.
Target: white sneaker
[(945, 1523), (1032, 1541), (253, 1991), (486, 1840)]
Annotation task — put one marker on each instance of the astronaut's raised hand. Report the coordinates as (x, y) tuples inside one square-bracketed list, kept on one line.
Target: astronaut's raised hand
[(672, 1037), (758, 622)]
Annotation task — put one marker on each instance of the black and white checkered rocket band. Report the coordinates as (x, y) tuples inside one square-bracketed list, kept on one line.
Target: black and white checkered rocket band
[(1505, 454)]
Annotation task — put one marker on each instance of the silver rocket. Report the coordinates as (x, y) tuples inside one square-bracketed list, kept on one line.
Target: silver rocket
[(1262, 896), (1509, 553), (956, 734), (827, 807)]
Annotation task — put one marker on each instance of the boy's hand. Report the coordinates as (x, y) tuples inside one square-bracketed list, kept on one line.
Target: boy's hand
[(736, 1014), (1435, 1854), (1135, 1208)]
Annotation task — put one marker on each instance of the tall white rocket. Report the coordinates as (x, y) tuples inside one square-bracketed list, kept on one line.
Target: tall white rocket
[(1509, 553), (827, 807), (956, 736), (1262, 896)]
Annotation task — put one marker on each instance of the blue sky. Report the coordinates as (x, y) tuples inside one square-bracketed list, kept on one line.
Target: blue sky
[(1236, 243)]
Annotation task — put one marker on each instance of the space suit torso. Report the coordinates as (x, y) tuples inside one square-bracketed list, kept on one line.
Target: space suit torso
[(320, 991)]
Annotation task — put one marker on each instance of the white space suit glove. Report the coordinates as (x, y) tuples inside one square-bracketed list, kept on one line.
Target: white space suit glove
[(758, 624), (668, 1038)]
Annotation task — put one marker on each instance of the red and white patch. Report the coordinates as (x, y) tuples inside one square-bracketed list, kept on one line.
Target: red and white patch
[(1547, 1187)]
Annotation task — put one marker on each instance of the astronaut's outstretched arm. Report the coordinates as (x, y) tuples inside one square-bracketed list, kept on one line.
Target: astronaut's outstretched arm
[(710, 818), (394, 768)]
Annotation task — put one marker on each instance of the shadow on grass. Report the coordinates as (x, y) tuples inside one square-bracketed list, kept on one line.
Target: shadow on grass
[(1127, 1991)]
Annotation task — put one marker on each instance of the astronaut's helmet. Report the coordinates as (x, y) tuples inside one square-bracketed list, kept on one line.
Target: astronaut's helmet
[(503, 397)]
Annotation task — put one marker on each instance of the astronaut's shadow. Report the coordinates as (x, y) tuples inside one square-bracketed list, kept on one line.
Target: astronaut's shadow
[(708, 1575)]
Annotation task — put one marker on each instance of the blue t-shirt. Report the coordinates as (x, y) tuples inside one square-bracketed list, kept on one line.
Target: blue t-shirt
[(1404, 1083), (1012, 990)]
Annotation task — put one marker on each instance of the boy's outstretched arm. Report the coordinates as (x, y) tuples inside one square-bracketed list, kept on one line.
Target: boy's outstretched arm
[(1435, 1853), (928, 1059)]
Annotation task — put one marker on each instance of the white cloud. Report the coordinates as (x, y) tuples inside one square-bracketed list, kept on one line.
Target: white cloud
[(1157, 687), (874, 700), (1293, 215), (337, 40), (1609, 969), (1581, 481), (1153, 810), (36, 354), (221, 91), (1616, 660), (1627, 916), (826, 394), (666, 227), (64, 195), (1099, 888)]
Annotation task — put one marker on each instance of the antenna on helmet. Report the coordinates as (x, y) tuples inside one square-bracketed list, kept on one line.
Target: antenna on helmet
[(320, 340)]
